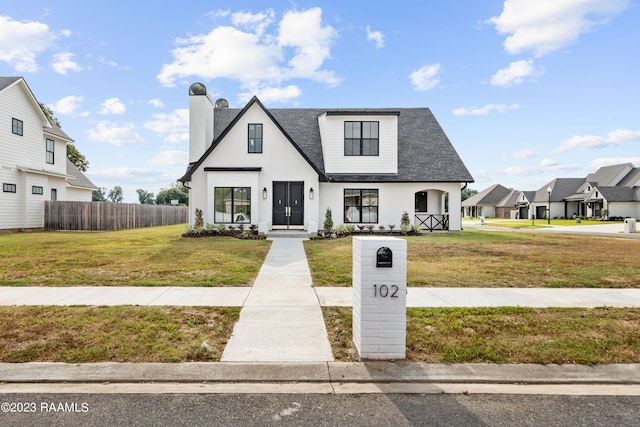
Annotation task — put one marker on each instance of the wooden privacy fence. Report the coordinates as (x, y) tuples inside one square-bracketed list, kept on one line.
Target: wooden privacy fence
[(108, 216)]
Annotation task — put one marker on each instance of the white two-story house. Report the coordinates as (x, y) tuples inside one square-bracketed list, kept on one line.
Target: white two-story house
[(282, 168), (33, 160)]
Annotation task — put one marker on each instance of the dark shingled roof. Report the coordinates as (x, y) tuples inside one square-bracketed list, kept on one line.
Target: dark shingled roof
[(80, 179), (618, 194), (606, 174), (425, 154), (560, 189), (7, 81), (490, 196)]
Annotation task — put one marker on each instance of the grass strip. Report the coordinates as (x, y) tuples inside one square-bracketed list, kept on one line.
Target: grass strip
[(115, 334), (481, 259), (506, 335)]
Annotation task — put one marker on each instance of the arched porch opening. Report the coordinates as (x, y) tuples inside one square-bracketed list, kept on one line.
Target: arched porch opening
[(431, 210)]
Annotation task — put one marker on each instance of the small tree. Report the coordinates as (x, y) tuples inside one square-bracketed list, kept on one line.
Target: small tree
[(115, 195), (99, 195), (328, 221), (145, 197), (405, 219)]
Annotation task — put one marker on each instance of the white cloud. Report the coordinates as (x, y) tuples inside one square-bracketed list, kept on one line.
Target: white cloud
[(425, 77), (257, 22), (588, 142), (113, 106), (67, 105), (156, 102), (116, 134), (544, 26), (22, 41), (547, 163), (171, 158), (174, 125), (609, 161), (375, 36), (483, 111), (304, 32), (527, 153), (63, 62), (273, 94), (515, 74), (250, 54)]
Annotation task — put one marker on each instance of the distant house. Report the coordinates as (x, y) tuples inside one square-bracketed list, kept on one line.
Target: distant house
[(496, 201), (33, 160), (282, 168), (611, 191)]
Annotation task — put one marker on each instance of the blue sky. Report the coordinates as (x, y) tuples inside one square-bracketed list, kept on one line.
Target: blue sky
[(527, 91)]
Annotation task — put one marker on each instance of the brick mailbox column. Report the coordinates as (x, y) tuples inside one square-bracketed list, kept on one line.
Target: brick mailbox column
[(380, 297)]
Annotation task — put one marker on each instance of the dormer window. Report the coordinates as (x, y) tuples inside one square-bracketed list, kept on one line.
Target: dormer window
[(361, 138), (255, 138)]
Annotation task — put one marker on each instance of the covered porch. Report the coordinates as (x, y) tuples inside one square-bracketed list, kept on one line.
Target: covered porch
[(431, 211)]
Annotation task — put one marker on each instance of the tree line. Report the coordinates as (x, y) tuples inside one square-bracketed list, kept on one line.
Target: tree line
[(176, 191)]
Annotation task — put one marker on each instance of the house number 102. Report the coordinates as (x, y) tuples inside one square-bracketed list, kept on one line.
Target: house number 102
[(385, 291)]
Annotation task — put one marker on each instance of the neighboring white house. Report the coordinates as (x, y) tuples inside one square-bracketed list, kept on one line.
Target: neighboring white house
[(611, 191), (33, 160), (282, 168)]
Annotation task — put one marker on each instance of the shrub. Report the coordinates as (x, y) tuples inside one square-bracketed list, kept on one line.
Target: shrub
[(328, 221), (405, 220)]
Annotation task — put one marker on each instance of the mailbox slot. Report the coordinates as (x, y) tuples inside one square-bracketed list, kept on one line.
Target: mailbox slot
[(384, 257)]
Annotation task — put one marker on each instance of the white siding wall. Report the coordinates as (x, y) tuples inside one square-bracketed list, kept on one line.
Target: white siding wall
[(74, 194), (279, 161), (624, 209), (24, 209), (393, 200), (332, 132), (10, 203)]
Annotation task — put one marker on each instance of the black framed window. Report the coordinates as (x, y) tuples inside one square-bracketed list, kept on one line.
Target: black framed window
[(9, 188), (255, 137), (361, 138), (36, 189), (233, 205), (361, 205), (16, 126), (50, 147), (54, 194)]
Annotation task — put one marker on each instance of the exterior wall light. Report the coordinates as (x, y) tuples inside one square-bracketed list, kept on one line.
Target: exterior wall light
[(311, 193), (264, 193)]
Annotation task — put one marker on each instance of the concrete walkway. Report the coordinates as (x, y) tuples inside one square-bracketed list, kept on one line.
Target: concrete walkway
[(281, 319)]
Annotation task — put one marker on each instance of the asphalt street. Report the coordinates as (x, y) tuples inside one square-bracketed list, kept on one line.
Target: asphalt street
[(320, 410)]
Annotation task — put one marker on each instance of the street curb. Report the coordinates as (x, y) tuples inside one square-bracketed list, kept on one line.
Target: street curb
[(318, 372)]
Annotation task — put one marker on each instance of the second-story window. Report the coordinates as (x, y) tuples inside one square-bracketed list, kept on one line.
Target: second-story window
[(16, 127), (255, 137), (361, 138), (50, 146)]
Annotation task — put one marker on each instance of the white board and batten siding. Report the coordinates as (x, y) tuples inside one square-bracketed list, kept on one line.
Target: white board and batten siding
[(332, 135), (279, 161)]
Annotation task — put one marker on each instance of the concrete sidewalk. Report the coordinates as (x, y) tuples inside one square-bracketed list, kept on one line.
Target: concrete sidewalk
[(265, 295), (281, 319)]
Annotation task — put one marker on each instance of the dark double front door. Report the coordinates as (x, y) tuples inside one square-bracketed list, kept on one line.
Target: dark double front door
[(288, 204)]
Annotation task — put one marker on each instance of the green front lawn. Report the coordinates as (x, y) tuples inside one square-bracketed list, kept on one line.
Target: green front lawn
[(156, 256), (475, 258)]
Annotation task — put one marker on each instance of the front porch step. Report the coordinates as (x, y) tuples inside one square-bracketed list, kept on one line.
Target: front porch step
[(300, 234)]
